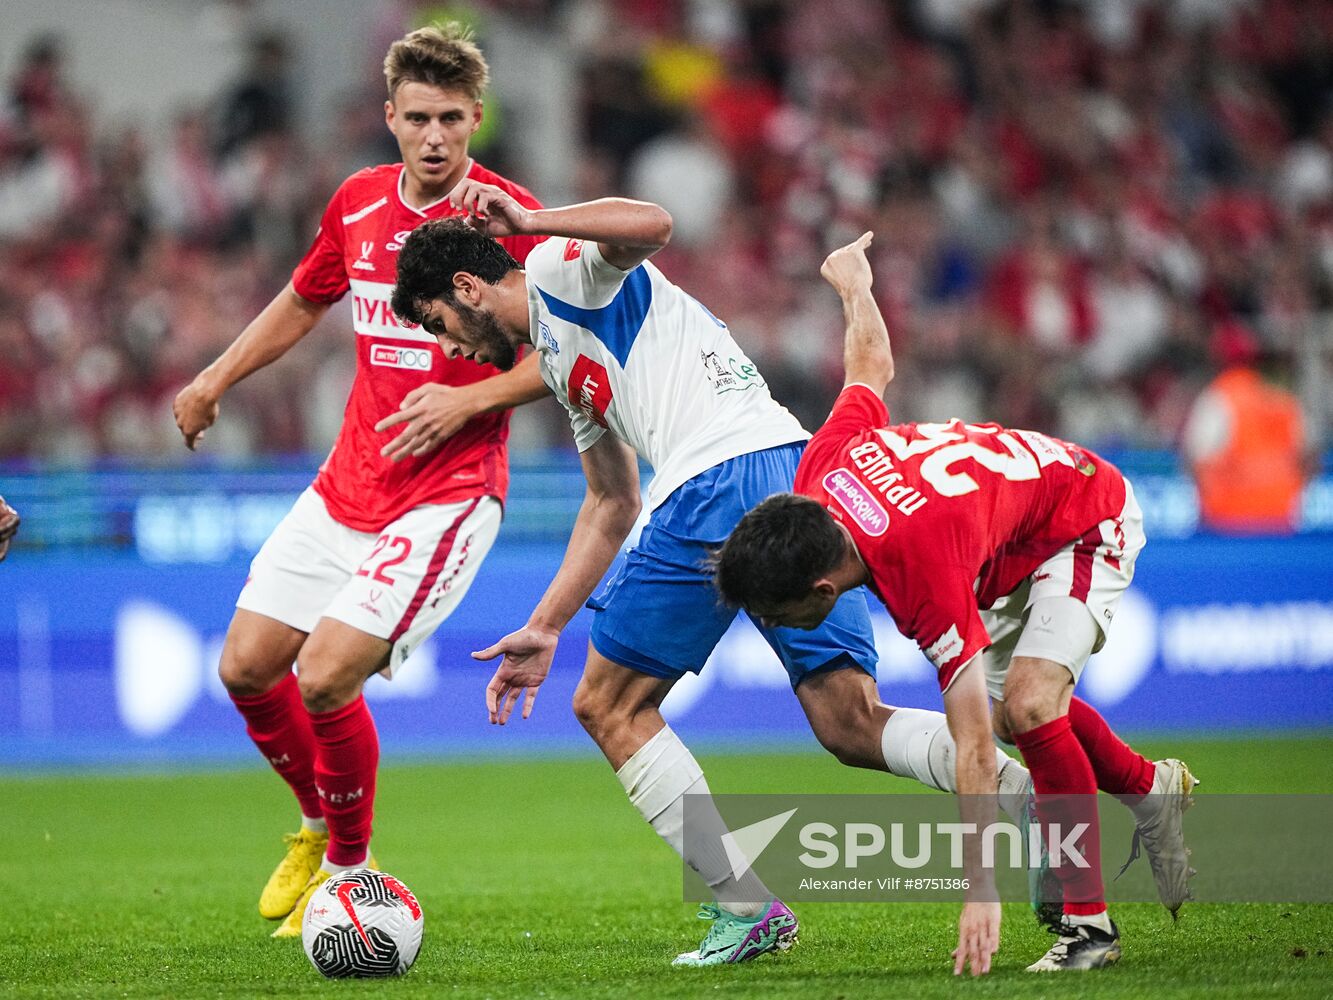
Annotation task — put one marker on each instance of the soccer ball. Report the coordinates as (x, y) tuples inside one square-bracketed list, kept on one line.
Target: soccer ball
[(362, 923)]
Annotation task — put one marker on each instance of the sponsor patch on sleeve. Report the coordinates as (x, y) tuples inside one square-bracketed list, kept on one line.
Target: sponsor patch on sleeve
[(857, 501)]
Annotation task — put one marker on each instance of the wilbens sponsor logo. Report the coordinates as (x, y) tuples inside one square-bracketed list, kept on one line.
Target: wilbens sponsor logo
[(416, 359), (842, 486)]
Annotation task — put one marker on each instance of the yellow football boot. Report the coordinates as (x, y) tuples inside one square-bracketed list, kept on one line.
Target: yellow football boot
[(305, 850), (291, 927)]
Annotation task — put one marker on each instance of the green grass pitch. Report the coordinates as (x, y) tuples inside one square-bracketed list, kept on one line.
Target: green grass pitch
[(539, 879)]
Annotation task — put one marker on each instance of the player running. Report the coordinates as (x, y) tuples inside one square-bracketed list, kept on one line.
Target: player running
[(641, 366), (1004, 554), (376, 553)]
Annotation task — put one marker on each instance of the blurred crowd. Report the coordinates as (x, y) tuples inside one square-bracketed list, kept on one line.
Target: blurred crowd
[(1083, 210)]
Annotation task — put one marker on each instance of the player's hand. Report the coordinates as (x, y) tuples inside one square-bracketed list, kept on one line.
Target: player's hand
[(527, 659), (846, 268), (433, 413), (978, 937), (9, 524), (195, 409), (490, 210)]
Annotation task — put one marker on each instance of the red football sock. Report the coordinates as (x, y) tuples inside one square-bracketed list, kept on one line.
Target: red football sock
[(1119, 769), (279, 725), (1067, 794), (345, 764)]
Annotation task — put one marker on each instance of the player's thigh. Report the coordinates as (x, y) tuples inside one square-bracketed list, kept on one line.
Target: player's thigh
[(418, 570), (609, 688), (846, 714), (302, 565), (845, 640), (257, 653)]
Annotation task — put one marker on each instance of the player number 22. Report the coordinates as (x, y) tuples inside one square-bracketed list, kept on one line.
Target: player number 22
[(943, 447), (385, 545)]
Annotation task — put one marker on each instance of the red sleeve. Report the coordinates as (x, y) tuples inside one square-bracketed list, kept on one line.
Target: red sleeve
[(322, 274), (945, 622), (857, 409)]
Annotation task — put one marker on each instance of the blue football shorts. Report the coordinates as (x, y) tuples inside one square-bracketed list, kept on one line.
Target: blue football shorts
[(659, 613)]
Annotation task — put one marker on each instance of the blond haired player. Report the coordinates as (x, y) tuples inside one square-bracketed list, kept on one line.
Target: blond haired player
[(377, 552)]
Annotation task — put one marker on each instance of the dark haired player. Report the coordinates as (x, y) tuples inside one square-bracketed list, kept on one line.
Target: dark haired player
[(1003, 553), (641, 366)]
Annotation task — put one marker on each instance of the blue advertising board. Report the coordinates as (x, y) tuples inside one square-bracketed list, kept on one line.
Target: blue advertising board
[(105, 656)]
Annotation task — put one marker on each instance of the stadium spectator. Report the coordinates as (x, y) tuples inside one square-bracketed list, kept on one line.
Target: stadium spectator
[(1246, 445)]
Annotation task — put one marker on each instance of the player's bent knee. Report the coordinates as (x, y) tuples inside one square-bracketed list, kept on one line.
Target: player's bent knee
[(247, 671), (1028, 708), (326, 691), (848, 748), (595, 708)]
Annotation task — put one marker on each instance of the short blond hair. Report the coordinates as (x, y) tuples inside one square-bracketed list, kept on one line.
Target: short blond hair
[(442, 55)]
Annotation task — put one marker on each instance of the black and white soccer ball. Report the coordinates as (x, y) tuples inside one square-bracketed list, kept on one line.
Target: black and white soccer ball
[(362, 923)]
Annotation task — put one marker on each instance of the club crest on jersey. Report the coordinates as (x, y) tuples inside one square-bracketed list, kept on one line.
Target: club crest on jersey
[(590, 389), (734, 374), (573, 249), (364, 264), (857, 501), (417, 359), (548, 338)]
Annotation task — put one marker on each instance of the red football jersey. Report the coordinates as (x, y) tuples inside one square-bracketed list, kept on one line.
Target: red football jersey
[(949, 518), (356, 249)]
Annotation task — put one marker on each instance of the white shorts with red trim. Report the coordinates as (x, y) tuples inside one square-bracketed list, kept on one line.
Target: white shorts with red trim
[(397, 585), (1083, 580)]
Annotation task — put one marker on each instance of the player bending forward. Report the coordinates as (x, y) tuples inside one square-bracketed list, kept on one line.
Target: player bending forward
[(375, 554), (641, 366), (1003, 553)]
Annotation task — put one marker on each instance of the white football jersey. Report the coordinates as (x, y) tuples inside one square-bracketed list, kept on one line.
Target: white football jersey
[(629, 352)]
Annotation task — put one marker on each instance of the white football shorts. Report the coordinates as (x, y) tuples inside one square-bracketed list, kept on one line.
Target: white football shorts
[(1075, 593), (397, 584)]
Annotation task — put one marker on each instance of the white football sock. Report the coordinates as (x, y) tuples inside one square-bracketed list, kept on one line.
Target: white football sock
[(917, 744), (656, 779), (333, 869), (1102, 921), (315, 824), (1015, 785)]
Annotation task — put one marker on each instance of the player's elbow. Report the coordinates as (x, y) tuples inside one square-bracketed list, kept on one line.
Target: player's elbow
[(618, 509), (661, 226), (627, 506)]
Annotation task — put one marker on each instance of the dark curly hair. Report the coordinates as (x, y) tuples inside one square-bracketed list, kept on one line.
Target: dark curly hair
[(432, 254), (777, 552)]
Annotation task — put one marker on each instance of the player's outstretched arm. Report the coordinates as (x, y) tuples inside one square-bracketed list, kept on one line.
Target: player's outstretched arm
[(967, 710), (610, 508), (867, 357), (626, 232), (9, 526), (434, 412), (269, 336)]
